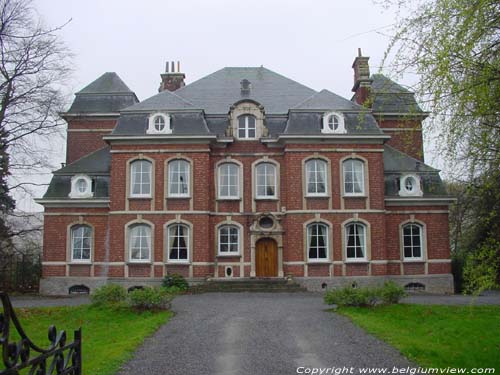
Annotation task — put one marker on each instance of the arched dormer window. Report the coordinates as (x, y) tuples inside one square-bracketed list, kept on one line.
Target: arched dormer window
[(246, 121), (409, 186), (81, 187), (159, 123), (247, 127), (333, 123)]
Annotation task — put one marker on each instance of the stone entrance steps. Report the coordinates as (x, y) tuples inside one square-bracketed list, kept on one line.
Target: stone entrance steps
[(249, 285)]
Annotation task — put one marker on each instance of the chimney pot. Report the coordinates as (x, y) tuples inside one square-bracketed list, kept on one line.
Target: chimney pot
[(172, 79)]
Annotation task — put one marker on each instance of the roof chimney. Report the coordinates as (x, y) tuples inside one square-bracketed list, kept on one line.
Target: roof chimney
[(172, 79), (245, 87), (362, 81)]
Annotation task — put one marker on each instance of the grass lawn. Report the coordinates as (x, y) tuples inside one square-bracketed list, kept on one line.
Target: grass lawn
[(109, 336), (436, 336)]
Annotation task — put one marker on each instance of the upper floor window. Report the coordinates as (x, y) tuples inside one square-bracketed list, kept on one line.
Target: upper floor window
[(140, 178), (333, 122), (412, 241), (317, 241), (159, 123), (139, 243), (355, 240), (81, 187), (81, 243), (178, 178), (265, 178), (229, 240), (247, 127), (229, 184), (178, 243), (409, 185), (316, 177), (354, 182)]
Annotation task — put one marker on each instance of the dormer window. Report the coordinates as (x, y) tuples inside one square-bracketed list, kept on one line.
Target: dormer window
[(81, 187), (410, 186), (159, 123), (333, 123), (246, 127)]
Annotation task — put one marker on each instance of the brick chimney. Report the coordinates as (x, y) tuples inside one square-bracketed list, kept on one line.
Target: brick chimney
[(172, 79), (362, 81)]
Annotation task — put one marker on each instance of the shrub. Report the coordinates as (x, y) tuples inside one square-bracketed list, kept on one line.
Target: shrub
[(482, 268), (391, 292), (149, 299), (349, 296), (109, 294), (175, 280), (173, 290)]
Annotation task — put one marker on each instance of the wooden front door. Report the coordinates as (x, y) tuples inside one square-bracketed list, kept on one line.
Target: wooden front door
[(266, 258)]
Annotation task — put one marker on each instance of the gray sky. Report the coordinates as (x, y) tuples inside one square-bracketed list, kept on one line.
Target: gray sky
[(311, 42)]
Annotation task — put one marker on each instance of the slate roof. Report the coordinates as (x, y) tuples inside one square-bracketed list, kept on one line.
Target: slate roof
[(397, 161), (60, 187), (309, 123), (327, 100), (216, 92), (107, 94), (390, 97), (97, 162)]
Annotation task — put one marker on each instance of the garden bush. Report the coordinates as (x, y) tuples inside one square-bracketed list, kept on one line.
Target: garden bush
[(175, 280), (150, 299), (389, 293), (109, 294)]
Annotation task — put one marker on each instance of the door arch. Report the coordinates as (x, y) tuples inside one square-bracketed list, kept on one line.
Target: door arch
[(266, 258)]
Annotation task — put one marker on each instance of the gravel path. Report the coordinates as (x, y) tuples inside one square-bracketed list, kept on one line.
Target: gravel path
[(257, 333), (41, 301)]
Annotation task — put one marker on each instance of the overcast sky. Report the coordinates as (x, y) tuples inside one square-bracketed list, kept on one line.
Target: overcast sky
[(312, 42)]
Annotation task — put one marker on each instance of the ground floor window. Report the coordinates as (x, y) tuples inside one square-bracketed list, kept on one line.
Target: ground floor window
[(355, 239), (412, 241), (140, 242), (81, 242), (317, 241), (229, 240), (178, 242)]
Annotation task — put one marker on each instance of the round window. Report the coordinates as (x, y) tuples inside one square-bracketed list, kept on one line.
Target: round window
[(333, 122), (410, 184), (266, 222), (81, 185), (159, 123)]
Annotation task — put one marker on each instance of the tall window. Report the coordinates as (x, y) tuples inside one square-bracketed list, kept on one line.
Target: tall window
[(246, 127), (355, 239), (229, 240), (178, 178), (317, 241), (81, 242), (354, 183), (139, 242), (178, 243), (265, 175), (140, 178), (229, 185), (412, 241), (316, 177)]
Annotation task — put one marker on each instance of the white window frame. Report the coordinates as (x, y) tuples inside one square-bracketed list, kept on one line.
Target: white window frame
[(90, 238), (132, 179), (327, 242), (219, 243), (220, 185), (171, 180), (416, 192), (131, 243), (187, 239), (266, 165), (326, 123), (75, 192), (152, 122), (346, 239), (353, 171), (316, 194), (421, 237), (247, 127)]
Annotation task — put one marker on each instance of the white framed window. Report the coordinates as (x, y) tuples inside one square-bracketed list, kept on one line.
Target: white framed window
[(412, 242), (139, 243), (354, 177), (229, 240), (81, 243), (178, 178), (317, 242), (316, 177), (178, 243), (228, 181), (159, 123), (409, 186), (140, 178), (355, 241), (247, 127), (265, 181), (81, 187), (333, 123)]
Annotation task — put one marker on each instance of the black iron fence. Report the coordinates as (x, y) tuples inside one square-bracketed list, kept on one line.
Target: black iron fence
[(60, 358), (20, 273)]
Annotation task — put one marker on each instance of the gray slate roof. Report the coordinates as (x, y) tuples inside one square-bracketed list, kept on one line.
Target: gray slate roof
[(97, 162), (108, 83), (309, 123), (60, 187), (216, 92), (327, 100), (390, 97), (397, 161)]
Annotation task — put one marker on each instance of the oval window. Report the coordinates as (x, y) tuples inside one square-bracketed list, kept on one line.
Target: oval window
[(81, 185), (410, 183), (159, 123), (266, 222)]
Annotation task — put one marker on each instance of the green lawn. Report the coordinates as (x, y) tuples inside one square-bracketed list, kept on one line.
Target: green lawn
[(436, 336), (109, 336)]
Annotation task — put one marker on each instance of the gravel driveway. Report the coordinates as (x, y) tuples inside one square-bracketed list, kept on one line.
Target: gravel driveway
[(257, 333)]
